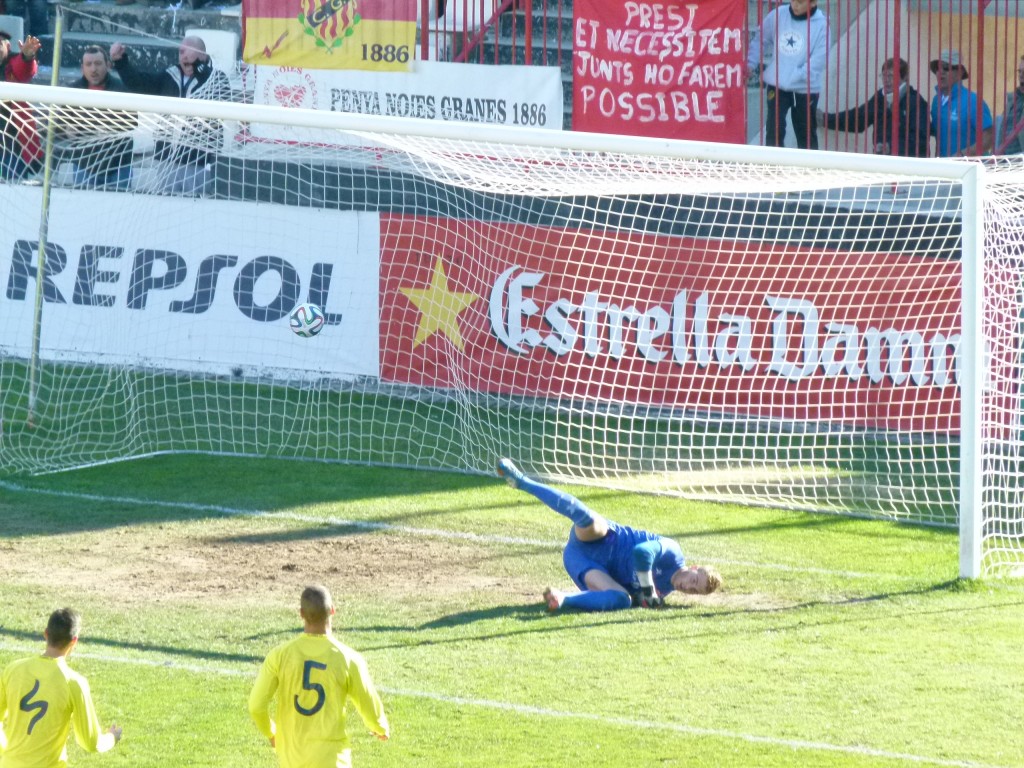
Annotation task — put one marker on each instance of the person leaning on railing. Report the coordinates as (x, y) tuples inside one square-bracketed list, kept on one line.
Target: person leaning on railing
[(907, 134)]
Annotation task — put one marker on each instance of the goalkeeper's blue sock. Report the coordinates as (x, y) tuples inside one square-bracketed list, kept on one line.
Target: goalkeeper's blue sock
[(603, 600), (563, 503)]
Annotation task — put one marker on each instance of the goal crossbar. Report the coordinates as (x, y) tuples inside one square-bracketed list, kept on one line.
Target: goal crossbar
[(486, 133)]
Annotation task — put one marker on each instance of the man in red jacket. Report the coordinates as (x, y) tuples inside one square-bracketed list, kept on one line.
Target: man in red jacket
[(19, 143)]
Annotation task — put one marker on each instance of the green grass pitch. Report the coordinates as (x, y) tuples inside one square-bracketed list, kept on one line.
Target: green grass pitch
[(836, 641)]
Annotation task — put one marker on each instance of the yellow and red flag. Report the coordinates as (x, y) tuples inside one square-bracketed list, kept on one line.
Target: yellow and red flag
[(330, 34)]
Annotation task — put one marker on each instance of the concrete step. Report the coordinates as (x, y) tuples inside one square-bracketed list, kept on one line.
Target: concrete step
[(152, 33), (509, 51), (549, 28), (147, 53), (158, 18), (552, 6)]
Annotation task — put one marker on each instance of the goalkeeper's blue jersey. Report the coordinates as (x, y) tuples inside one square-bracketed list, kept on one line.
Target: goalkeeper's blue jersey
[(614, 555)]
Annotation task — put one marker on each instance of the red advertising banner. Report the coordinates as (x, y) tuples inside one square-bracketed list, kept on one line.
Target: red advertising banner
[(661, 70), (774, 331)]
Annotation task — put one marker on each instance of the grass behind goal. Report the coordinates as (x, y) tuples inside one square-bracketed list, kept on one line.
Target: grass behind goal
[(837, 642), (130, 413)]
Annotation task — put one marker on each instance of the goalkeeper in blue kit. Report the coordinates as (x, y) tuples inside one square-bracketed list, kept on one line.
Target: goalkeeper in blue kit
[(613, 565), (313, 676)]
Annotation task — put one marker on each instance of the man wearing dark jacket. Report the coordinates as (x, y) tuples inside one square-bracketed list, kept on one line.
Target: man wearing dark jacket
[(101, 159), (187, 156), (905, 134)]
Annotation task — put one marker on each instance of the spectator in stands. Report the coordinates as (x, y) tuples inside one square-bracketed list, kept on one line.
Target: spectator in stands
[(902, 130), (36, 14), (614, 566), (955, 111), (99, 148), (791, 47), (187, 158), (19, 143), (1010, 141)]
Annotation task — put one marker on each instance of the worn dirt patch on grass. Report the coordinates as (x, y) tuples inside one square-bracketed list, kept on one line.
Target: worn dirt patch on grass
[(173, 563), (241, 562)]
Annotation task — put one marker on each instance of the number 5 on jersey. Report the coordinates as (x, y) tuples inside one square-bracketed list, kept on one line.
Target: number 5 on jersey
[(309, 685)]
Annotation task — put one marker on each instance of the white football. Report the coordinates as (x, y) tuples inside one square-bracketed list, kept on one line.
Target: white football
[(306, 320)]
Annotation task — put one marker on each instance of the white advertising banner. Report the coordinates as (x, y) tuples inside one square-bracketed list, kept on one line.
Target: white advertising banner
[(433, 90), (192, 285)]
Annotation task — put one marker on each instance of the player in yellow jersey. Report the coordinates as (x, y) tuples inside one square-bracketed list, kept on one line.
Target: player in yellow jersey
[(41, 699), (313, 676)]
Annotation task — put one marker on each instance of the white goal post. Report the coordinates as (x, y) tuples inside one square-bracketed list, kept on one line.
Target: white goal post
[(818, 331)]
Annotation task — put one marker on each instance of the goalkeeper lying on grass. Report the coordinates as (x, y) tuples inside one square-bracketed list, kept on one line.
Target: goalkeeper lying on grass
[(614, 565)]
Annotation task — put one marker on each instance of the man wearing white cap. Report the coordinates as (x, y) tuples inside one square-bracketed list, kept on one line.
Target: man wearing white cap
[(955, 111)]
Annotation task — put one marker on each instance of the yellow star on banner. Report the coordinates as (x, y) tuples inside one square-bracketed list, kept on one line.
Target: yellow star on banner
[(439, 307)]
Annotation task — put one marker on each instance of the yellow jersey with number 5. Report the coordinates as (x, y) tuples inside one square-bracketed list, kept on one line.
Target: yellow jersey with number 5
[(312, 677)]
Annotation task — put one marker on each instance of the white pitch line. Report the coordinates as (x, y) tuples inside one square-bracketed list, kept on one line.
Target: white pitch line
[(430, 532), (293, 516), (524, 709), (198, 669)]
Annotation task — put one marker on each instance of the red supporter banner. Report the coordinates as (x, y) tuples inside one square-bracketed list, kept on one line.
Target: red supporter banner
[(330, 34), (661, 70), (619, 317)]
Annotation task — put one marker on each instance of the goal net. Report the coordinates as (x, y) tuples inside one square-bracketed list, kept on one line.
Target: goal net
[(736, 324)]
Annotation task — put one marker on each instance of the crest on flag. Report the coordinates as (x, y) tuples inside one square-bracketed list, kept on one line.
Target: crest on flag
[(330, 34), (329, 22)]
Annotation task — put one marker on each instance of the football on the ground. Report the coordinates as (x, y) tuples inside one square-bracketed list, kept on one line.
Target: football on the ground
[(306, 320)]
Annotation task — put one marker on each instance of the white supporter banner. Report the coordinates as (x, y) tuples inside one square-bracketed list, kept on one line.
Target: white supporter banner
[(199, 297), (433, 90)]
